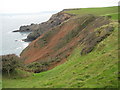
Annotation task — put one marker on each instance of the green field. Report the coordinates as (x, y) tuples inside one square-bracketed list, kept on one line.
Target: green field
[(95, 11), (98, 69), (112, 11)]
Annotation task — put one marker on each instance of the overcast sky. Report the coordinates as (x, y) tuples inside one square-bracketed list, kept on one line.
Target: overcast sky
[(32, 6)]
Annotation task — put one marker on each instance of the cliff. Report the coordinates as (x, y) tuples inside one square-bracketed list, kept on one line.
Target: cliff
[(39, 29), (53, 47), (86, 43)]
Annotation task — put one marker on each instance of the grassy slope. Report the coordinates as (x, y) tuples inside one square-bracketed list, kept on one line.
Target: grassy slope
[(96, 70)]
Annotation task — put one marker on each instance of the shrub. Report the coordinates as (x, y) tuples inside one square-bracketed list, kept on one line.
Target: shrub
[(37, 67), (10, 63)]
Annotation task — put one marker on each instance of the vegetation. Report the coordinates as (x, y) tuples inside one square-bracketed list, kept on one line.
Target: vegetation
[(94, 11), (37, 67), (95, 69), (98, 69), (104, 11), (10, 63)]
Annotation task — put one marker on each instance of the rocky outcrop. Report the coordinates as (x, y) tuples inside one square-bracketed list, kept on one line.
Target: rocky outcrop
[(38, 29), (71, 9), (28, 28), (53, 47), (91, 40)]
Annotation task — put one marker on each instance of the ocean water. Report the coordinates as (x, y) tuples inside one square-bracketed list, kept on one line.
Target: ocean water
[(11, 42)]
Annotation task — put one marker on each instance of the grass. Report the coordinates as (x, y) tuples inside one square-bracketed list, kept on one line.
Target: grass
[(17, 74), (114, 16), (103, 11), (97, 69), (95, 11)]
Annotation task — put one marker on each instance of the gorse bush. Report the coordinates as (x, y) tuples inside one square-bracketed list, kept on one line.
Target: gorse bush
[(10, 63), (37, 67)]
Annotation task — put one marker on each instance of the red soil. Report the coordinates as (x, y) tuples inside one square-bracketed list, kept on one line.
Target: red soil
[(34, 53)]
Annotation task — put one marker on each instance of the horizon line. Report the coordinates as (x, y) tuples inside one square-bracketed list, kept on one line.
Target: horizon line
[(23, 13)]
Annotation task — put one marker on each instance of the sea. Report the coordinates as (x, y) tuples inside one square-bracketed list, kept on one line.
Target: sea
[(11, 42)]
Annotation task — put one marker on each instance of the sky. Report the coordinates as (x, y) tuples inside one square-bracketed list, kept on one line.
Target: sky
[(33, 6)]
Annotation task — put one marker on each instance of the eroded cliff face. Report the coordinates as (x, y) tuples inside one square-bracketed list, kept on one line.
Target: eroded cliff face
[(38, 29), (53, 47)]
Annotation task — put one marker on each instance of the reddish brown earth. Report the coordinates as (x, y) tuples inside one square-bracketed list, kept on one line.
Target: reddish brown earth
[(57, 44)]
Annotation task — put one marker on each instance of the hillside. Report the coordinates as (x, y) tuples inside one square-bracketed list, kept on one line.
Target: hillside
[(53, 47), (97, 69), (81, 52)]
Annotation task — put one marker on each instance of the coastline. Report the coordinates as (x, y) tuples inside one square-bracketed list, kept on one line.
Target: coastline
[(8, 41)]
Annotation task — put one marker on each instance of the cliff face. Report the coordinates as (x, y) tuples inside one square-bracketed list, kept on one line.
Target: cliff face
[(38, 29), (54, 46)]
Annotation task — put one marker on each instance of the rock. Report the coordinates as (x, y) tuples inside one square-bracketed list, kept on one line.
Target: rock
[(55, 20), (38, 29), (16, 31), (28, 28), (94, 38), (71, 9)]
